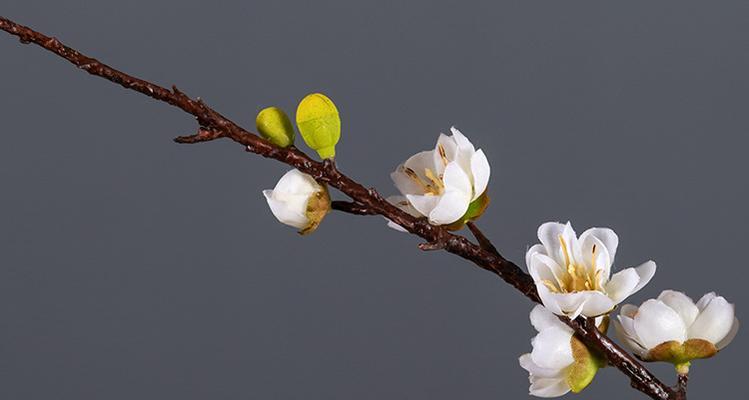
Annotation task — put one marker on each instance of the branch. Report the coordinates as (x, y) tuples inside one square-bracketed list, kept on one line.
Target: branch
[(214, 125), (352, 207), (203, 135), (484, 241)]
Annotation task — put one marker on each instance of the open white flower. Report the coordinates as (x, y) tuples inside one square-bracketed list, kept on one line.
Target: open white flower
[(572, 274), (559, 362), (298, 201), (440, 184), (673, 328)]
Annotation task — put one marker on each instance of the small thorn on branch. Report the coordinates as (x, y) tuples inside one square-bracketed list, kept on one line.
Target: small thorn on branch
[(203, 135)]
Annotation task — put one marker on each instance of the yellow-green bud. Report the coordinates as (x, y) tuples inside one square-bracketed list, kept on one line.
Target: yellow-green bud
[(274, 125), (319, 123)]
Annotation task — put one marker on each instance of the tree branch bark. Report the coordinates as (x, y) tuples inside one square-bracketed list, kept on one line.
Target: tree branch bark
[(213, 125)]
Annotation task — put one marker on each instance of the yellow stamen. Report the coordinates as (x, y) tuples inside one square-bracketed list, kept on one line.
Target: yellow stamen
[(443, 153)]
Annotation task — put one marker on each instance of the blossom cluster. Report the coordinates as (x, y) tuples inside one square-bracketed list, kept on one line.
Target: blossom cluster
[(574, 275)]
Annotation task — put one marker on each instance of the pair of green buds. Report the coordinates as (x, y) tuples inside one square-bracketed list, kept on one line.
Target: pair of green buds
[(317, 119)]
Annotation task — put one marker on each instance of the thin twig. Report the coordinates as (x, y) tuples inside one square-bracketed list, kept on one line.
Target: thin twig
[(203, 135), (369, 199), (484, 241)]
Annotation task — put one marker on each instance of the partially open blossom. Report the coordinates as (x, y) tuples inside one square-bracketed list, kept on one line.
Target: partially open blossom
[(674, 329), (440, 184), (559, 362), (573, 275), (299, 201)]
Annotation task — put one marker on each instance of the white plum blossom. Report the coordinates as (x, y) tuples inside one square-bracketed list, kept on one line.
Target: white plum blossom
[(573, 275), (298, 201), (559, 362), (673, 328), (440, 184)]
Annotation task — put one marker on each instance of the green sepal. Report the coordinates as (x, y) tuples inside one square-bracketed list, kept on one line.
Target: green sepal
[(274, 125), (475, 210), (318, 206), (582, 371), (319, 123), (678, 353)]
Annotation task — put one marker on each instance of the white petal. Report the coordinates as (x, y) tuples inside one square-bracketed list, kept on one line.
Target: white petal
[(455, 179), (552, 349), (480, 170), (571, 304), (682, 304), (646, 272), (548, 234), (526, 361), (404, 183), (548, 387), (541, 319), (451, 152), (464, 145), (402, 203), (705, 300), (628, 310), (731, 334), (547, 299), (451, 207), (607, 236), (424, 204), (284, 214), (597, 304), (600, 259), (295, 182), (538, 262), (629, 341), (714, 322), (418, 163), (656, 323), (535, 249), (622, 284)]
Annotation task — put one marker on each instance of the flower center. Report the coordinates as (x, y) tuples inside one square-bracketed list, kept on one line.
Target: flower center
[(432, 185), (576, 277)]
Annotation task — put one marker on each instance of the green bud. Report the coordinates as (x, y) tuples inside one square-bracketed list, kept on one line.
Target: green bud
[(274, 125), (319, 123), (584, 368)]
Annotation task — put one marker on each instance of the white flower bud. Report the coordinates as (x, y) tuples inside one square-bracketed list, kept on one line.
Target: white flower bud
[(299, 201), (672, 328)]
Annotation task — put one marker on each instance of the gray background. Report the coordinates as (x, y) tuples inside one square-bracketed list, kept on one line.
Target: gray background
[(135, 268)]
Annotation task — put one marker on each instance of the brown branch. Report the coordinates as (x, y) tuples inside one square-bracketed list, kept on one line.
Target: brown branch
[(203, 135), (364, 198), (352, 207), (484, 241)]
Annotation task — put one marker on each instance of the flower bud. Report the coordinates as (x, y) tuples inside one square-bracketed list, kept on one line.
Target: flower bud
[(319, 123), (299, 201), (273, 124), (673, 329), (559, 362)]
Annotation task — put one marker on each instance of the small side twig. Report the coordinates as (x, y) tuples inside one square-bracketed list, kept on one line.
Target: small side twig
[(484, 241), (203, 135)]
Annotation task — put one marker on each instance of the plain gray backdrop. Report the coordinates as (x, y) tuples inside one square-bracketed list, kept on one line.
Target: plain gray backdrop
[(135, 268)]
